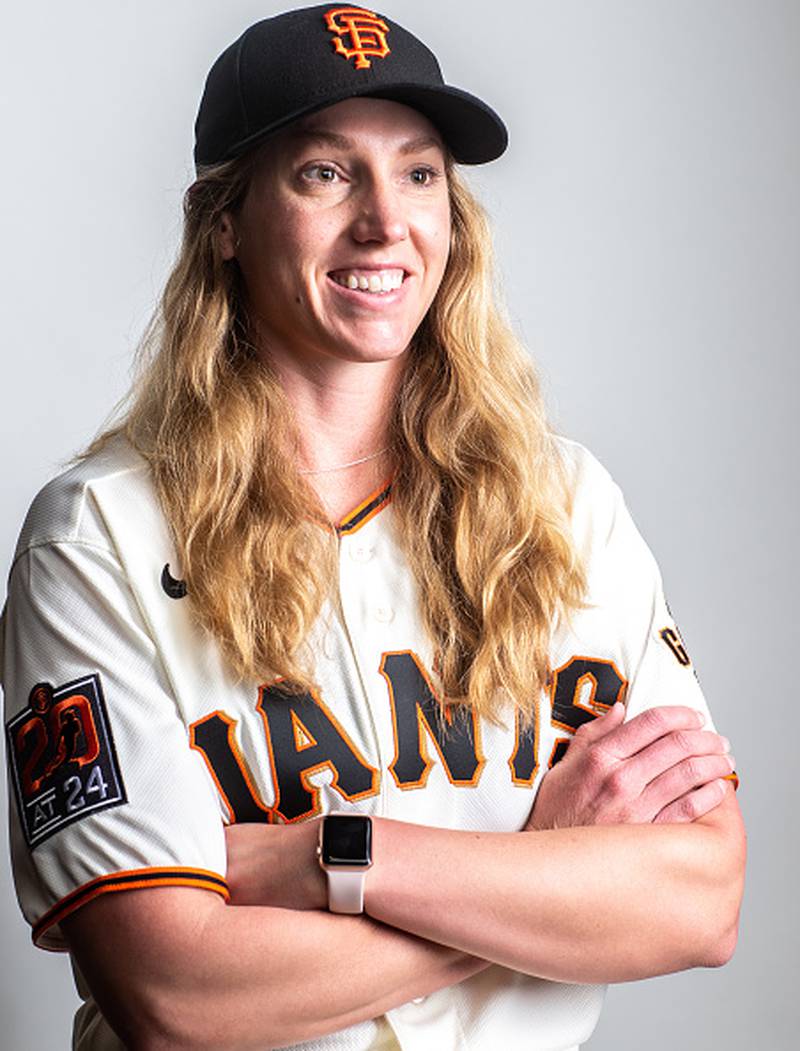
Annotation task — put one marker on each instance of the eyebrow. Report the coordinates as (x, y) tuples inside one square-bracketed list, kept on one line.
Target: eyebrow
[(341, 142)]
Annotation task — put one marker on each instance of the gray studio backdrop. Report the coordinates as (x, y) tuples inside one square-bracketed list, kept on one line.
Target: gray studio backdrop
[(648, 226)]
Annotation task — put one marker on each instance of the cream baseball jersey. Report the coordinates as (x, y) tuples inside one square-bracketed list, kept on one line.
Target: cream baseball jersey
[(130, 746)]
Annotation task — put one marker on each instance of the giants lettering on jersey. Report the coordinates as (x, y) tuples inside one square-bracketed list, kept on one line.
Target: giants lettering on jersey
[(417, 717), (303, 736)]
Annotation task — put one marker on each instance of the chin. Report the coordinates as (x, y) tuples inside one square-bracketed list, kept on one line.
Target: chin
[(370, 350)]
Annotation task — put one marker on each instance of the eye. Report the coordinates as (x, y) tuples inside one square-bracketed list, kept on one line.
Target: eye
[(423, 175), (320, 173)]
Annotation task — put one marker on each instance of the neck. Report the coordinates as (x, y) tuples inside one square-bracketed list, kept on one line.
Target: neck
[(342, 409)]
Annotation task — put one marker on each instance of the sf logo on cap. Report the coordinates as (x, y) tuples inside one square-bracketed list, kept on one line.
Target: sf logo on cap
[(365, 30)]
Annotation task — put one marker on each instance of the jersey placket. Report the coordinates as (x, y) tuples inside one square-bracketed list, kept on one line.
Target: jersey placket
[(369, 613)]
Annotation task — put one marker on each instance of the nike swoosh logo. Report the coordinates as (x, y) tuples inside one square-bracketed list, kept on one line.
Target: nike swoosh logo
[(174, 588)]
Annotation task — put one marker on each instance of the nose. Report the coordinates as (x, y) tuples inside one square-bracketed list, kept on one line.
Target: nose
[(381, 215)]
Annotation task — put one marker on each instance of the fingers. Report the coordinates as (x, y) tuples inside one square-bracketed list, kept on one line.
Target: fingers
[(679, 744), (690, 774), (694, 804), (602, 725), (658, 766), (673, 749), (650, 726)]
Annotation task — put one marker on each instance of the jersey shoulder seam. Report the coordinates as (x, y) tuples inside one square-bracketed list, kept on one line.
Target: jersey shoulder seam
[(61, 542)]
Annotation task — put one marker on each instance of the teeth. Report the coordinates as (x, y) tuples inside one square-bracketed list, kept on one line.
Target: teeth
[(373, 282)]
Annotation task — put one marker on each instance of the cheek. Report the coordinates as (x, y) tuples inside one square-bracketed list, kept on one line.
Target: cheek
[(278, 256), (307, 232), (437, 247), (436, 228), (301, 249)]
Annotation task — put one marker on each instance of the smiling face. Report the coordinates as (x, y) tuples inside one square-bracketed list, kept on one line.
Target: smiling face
[(343, 236)]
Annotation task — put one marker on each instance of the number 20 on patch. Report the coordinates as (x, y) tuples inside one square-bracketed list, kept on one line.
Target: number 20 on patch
[(63, 762)]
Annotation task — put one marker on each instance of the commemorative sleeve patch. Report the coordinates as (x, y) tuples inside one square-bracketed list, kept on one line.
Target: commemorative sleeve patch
[(62, 757)]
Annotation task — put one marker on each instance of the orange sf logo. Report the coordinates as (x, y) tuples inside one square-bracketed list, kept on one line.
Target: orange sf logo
[(366, 31)]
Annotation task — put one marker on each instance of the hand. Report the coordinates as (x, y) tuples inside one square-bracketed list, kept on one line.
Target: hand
[(275, 865), (659, 767)]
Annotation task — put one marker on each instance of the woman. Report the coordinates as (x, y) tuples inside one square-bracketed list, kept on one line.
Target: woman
[(333, 560)]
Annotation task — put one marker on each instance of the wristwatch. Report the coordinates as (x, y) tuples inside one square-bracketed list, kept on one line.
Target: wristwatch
[(345, 854)]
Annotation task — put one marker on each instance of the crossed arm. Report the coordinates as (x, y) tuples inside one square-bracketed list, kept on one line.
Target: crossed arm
[(644, 876)]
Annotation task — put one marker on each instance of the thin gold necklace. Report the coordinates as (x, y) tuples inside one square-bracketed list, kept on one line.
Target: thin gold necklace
[(343, 466)]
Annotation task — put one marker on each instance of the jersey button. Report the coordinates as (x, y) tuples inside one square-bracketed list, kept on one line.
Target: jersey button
[(361, 552), (384, 614)]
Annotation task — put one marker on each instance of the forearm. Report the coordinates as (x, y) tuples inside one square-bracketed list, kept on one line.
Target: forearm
[(584, 904), (238, 977)]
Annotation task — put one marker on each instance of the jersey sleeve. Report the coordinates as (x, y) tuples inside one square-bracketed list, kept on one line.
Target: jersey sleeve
[(660, 670), (105, 793), (626, 621)]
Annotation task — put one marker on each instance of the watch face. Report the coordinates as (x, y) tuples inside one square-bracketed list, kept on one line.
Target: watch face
[(346, 840)]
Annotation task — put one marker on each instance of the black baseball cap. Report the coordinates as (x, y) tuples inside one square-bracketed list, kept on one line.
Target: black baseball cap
[(282, 68)]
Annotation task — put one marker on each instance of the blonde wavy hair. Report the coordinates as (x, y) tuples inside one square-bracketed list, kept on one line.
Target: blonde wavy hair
[(479, 497)]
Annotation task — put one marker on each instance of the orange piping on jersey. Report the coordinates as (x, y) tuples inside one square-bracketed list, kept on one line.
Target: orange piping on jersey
[(132, 879), (238, 759), (426, 733), (586, 677), (343, 527), (351, 522), (326, 764)]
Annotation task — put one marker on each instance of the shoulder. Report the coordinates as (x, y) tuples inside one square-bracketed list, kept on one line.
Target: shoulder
[(581, 467), (593, 497), (72, 507)]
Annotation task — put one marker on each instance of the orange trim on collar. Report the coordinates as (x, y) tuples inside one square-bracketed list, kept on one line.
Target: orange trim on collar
[(367, 509)]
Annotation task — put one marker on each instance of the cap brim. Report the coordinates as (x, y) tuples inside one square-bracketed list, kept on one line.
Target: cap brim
[(472, 130)]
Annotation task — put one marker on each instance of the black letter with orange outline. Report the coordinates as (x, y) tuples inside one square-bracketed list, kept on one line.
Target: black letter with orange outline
[(303, 736), (673, 639), (417, 717), (214, 737), (581, 690)]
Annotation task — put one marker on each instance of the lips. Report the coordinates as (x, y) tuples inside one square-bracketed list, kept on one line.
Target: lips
[(370, 281)]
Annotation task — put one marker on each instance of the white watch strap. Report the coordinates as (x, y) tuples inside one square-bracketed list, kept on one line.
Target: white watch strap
[(346, 889)]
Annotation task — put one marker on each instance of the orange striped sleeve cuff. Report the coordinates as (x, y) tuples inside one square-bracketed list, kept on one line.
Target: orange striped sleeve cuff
[(135, 879)]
